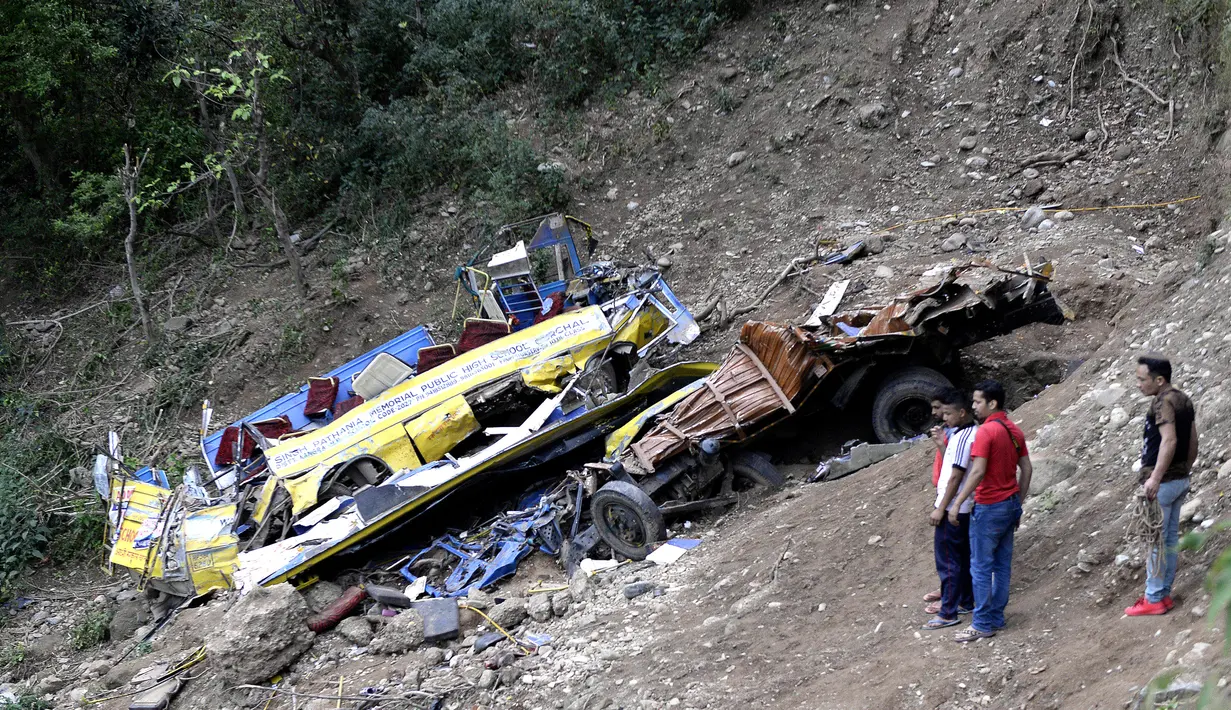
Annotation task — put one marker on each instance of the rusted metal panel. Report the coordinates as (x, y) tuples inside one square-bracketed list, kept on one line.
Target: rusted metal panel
[(763, 373)]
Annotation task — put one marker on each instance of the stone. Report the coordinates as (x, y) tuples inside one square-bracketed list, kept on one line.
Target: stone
[(1033, 188), (487, 679), (1123, 152), (50, 684), (1092, 136), (736, 158), (400, 634), (509, 613), (875, 540), (413, 677), (1046, 225), (728, 73), (1064, 216), (832, 7), (612, 194), (130, 615), (956, 73), (871, 115), (538, 606), (1189, 509), (357, 630), (953, 243), (560, 603), (1225, 469), (978, 162), (97, 668), (636, 589), (1050, 469), (874, 244), (580, 586), (1197, 611), (263, 633), (663, 262), (968, 222), (967, 143), (321, 595), (1197, 655), (1033, 216), (1030, 173), (478, 599), (1107, 263), (1153, 242), (1076, 133), (177, 324), (1107, 398), (884, 272), (77, 695), (633, 205), (1118, 418)]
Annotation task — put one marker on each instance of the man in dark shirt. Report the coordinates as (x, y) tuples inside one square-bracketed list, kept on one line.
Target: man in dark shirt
[(997, 455), (1168, 449)]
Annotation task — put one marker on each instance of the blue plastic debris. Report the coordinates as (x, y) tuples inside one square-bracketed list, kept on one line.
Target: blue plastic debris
[(492, 555)]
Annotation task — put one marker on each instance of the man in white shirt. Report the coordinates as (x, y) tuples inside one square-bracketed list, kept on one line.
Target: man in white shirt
[(951, 542)]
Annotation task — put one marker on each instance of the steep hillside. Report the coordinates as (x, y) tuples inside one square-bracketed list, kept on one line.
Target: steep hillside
[(803, 123)]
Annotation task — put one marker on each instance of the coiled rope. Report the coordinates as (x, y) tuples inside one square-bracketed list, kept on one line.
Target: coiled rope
[(1145, 525)]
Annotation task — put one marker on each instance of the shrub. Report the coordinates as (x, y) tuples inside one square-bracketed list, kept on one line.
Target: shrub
[(92, 630)]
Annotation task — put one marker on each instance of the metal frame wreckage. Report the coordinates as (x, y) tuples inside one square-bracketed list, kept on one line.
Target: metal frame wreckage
[(554, 371)]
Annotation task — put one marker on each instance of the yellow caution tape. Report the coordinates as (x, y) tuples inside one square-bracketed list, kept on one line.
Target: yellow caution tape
[(1003, 210)]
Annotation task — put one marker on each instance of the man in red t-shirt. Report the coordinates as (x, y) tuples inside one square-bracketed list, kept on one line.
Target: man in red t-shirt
[(998, 453)]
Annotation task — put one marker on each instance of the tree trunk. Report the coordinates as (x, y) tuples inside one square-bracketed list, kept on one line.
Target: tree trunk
[(130, 178), (25, 140), (261, 179), (284, 237), (212, 215)]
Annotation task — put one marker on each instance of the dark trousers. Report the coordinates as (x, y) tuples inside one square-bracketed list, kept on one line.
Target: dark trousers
[(952, 547)]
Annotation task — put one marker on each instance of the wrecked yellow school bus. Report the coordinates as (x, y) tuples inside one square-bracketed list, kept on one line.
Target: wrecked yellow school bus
[(303, 461)]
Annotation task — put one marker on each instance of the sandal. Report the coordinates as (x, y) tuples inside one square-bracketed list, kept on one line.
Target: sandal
[(941, 623), (970, 633), (933, 608), (932, 596)]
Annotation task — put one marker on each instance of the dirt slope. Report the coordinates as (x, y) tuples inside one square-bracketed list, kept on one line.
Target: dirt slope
[(848, 121)]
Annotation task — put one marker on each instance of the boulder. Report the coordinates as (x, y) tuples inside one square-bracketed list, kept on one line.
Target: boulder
[(1050, 469), (539, 607), (357, 630), (130, 615), (262, 634), (321, 595), (401, 634), (509, 613)]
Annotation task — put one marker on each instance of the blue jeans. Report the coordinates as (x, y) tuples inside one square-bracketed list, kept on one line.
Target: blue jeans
[(991, 560), (1160, 576)]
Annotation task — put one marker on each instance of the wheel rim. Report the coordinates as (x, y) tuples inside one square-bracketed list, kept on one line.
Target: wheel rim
[(912, 416), (622, 521)]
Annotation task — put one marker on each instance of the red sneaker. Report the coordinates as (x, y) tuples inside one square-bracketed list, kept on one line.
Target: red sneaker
[(1146, 608), (1167, 602)]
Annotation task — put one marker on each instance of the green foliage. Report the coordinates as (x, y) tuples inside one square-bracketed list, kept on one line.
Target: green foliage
[(92, 630), (27, 702), (12, 656), (91, 222), (29, 452)]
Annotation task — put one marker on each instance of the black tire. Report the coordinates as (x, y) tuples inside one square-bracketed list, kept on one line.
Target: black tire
[(755, 468), (627, 519), (903, 404)]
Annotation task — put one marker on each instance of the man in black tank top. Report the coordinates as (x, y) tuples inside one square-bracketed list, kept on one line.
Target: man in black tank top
[(1168, 450)]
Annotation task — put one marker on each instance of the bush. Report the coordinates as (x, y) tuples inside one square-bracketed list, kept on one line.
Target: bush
[(92, 630), (31, 455)]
